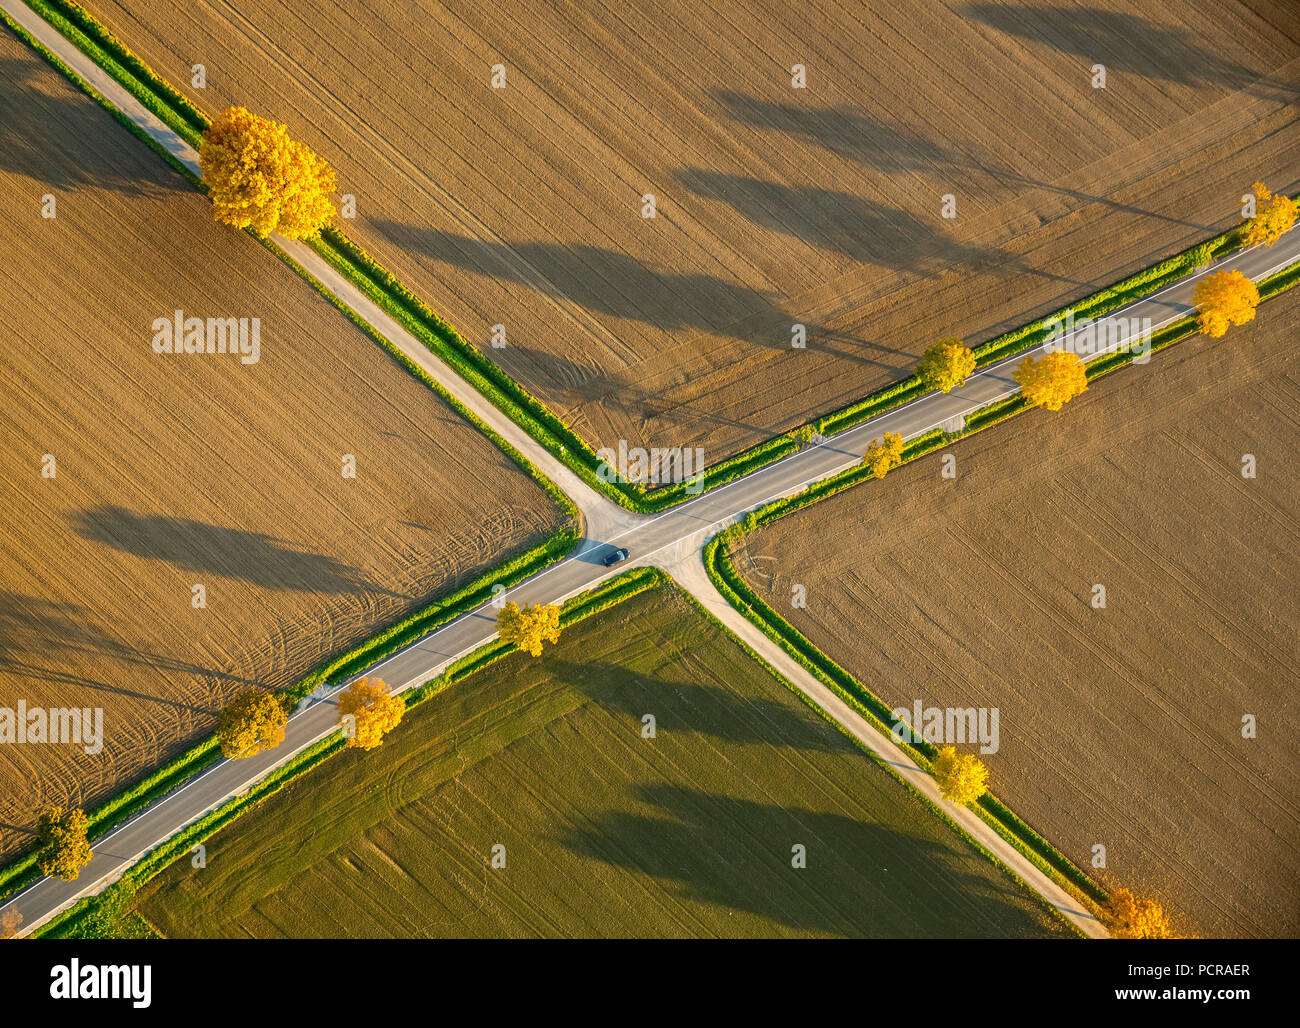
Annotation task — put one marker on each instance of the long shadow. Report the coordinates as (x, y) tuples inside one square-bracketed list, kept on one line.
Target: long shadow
[(700, 708), (865, 231), (669, 301), (212, 549), (40, 638), (34, 123), (887, 148), (626, 392), (834, 220), (607, 282), (1129, 43), (22, 831), (842, 130), (601, 280), (862, 878)]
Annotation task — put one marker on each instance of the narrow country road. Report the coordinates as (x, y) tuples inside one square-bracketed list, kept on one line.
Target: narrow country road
[(671, 540)]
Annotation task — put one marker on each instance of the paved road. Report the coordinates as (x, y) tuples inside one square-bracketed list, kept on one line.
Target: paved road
[(671, 540)]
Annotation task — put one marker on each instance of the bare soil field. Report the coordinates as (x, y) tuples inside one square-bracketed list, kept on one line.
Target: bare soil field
[(605, 833), (1120, 726), (172, 471), (522, 206)]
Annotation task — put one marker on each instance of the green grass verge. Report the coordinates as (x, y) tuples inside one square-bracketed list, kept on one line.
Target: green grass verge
[(21, 871), (92, 39), (727, 774), (731, 584), (105, 916), (528, 412)]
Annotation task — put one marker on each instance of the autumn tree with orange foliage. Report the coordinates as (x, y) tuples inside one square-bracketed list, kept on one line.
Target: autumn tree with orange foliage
[(368, 712), (530, 627), (1222, 299), (1137, 917), (884, 454), (253, 721), (259, 178), (1274, 215), (1052, 382)]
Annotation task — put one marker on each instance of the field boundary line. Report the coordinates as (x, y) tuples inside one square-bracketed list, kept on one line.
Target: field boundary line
[(733, 587), (116, 810), (875, 741), (144, 865)]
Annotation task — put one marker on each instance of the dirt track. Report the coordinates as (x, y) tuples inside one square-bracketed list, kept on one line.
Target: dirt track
[(1119, 726), (521, 206), (173, 471)]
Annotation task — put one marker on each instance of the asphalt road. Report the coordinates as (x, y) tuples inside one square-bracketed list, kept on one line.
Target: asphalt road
[(667, 540)]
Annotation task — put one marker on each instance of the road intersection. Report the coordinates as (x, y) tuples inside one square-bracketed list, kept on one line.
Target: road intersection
[(671, 540)]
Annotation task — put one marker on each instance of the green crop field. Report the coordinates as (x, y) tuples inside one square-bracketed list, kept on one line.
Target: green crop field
[(605, 832)]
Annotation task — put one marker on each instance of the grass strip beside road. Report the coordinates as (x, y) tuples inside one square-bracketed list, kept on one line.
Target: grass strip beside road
[(21, 871), (104, 817), (102, 915), (528, 412), (108, 915), (722, 571)]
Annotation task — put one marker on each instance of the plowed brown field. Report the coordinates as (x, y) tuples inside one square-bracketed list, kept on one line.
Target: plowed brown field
[(1120, 726), (521, 206), (172, 471)]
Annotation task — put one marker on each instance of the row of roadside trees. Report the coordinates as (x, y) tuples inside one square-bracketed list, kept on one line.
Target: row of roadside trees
[(1222, 299), (259, 178), (256, 718)]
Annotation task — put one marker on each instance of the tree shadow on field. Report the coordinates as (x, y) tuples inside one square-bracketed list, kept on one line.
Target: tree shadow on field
[(1131, 44), (699, 708), (50, 137), (831, 219), (40, 639), (862, 878), (864, 231), (601, 280), (252, 557), (577, 385), (887, 148), (613, 284), (843, 130), (24, 833), (665, 418)]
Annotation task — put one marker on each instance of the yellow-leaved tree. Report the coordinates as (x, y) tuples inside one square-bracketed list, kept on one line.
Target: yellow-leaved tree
[(368, 712), (1053, 381), (1222, 299), (1274, 215), (884, 454), (945, 365), (253, 721), (259, 178), (962, 777), (530, 627), (1138, 917), (63, 848)]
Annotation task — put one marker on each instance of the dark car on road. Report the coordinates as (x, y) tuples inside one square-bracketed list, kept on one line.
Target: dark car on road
[(613, 558)]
